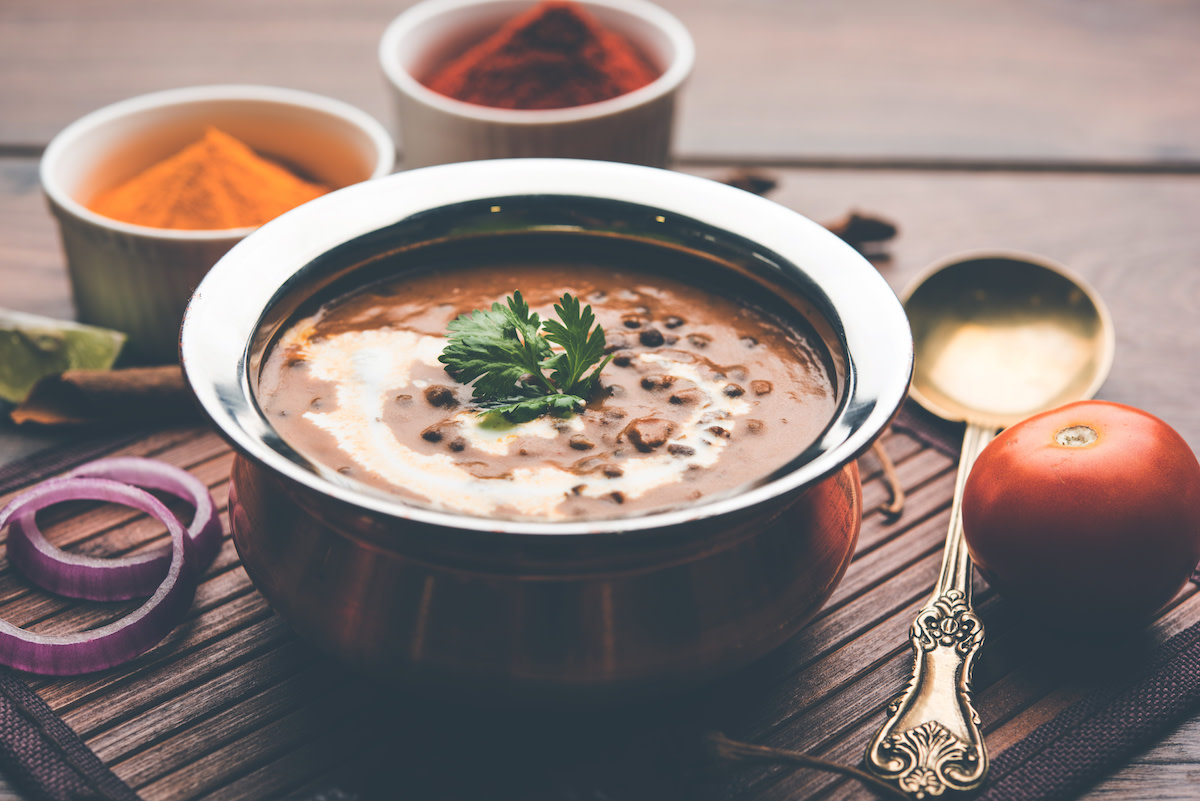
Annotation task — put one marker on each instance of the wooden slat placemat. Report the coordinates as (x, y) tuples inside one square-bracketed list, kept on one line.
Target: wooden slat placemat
[(232, 705)]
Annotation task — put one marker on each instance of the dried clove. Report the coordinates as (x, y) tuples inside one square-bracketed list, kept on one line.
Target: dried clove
[(863, 232), (758, 183)]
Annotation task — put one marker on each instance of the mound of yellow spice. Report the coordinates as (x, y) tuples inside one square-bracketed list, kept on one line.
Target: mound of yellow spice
[(215, 183)]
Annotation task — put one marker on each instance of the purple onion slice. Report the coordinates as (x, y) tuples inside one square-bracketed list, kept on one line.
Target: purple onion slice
[(126, 577), (125, 638)]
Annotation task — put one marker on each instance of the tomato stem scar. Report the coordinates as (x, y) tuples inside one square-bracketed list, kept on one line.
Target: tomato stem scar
[(1076, 436)]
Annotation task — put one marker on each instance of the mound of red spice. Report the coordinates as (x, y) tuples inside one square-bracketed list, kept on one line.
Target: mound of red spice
[(555, 55)]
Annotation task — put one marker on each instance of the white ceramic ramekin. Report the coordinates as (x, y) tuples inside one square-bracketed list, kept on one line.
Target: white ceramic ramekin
[(434, 129), (138, 279)]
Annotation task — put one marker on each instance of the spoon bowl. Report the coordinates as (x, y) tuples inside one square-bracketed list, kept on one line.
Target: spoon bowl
[(997, 337), (1002, 336)]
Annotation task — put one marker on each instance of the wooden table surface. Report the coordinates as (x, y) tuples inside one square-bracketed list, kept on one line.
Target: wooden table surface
[(1066, 129)]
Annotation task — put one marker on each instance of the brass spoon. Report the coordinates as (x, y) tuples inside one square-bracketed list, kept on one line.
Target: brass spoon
[(997, 337)]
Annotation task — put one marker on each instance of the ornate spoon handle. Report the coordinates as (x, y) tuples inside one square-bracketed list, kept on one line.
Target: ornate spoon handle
[(931, 743)]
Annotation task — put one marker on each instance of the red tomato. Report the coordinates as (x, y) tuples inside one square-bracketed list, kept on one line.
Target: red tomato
[(1087, 516)]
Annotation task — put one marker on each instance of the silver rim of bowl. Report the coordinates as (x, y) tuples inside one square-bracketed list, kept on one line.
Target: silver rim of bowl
[(221, 327)]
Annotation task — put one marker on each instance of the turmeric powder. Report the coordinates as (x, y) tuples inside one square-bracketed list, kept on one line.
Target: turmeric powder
[(215, 183)]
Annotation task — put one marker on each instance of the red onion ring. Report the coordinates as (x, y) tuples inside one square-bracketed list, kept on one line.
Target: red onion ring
[(118, 578), (123, 639)]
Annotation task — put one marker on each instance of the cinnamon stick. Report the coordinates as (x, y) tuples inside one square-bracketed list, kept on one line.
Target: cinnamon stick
[(132, 394)]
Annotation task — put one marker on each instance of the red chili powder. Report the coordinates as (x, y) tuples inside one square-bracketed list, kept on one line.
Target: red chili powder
[(554, 55)]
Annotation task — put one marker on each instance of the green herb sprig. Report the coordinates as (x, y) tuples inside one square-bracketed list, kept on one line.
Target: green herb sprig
[(506, 351)]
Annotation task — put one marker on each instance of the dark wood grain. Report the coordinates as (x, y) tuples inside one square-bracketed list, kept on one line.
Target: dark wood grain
[(233, 705), (232, 700)]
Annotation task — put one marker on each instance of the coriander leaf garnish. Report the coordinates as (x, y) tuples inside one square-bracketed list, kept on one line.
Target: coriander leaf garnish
[(583, 346), (516, 372)]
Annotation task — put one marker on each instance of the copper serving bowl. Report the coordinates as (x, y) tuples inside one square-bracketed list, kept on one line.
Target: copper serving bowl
[(528, 608)]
